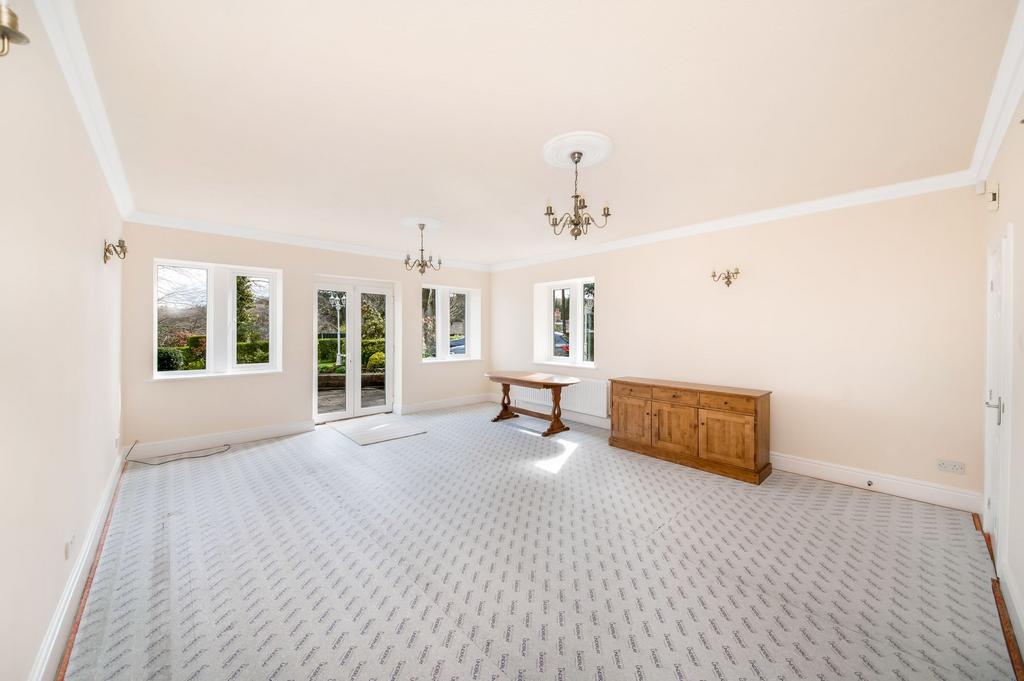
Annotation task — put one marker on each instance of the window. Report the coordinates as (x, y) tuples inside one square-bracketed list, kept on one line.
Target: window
[(564, 322), (429, 323), (215, 319), (451, 323), (252, 320), (182, 294)]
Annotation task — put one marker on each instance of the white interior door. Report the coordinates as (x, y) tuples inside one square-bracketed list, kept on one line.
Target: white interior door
[(998, 383), (354, 371)]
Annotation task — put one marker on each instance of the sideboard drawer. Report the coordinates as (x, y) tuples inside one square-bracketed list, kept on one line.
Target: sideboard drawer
[(627, 390), (677, 395), (727, 402)]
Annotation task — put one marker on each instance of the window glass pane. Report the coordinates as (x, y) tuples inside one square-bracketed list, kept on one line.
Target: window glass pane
[(252, 320), (373, 309), (588, 322), (181, 296), (561, 322), (429, 322), (457, 323), (330, 351)]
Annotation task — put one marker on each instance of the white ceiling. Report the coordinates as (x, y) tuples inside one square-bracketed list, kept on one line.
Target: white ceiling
[(333, 120)]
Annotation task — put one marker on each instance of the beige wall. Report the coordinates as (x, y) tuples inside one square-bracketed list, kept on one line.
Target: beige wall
[(1008, 172), (156, 410), (867, 323), (60, 312)]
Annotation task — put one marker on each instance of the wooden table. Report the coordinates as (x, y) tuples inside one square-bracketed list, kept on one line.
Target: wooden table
[(529, 379)]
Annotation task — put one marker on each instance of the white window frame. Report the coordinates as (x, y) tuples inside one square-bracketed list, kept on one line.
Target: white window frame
[(442, 312), (274, 307), (543, 318), (221, 320)]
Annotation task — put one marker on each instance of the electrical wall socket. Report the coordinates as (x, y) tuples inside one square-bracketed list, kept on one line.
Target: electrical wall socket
[(948, 466)]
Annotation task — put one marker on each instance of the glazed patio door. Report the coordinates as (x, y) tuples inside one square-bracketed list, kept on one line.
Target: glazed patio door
[(354, 373)]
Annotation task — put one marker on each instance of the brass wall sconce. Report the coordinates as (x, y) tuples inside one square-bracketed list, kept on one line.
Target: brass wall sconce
[(120, 249), (726, 276), (9, 32)]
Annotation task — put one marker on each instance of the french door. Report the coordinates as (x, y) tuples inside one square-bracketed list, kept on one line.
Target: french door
[(354, 371)]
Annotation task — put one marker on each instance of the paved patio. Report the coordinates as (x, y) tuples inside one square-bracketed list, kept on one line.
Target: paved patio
[(333, 399)]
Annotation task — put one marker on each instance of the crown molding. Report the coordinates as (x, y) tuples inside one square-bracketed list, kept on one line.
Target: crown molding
[(61, 23), (156, 220), (890, 192), (1007, 91)]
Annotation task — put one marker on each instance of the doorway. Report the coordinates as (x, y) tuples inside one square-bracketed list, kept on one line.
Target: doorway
[(354, 337), (998, 387)]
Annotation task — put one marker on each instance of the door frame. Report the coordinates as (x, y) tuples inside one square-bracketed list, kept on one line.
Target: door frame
[(998, 384), (353, 290)]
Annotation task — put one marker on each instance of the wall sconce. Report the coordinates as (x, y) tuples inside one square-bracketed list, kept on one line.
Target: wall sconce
[(9, 32), (120, 249), (726, 276)]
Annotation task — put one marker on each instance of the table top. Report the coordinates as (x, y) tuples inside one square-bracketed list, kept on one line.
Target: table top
[(531, 379)]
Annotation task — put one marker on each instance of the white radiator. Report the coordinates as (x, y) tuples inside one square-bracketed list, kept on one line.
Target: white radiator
[(589, 396)]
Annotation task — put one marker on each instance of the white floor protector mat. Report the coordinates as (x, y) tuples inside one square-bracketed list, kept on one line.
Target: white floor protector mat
[(372, 429)]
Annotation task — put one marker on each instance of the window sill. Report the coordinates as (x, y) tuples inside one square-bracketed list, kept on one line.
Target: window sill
[(157, 378), (449, 360), (573, 365)]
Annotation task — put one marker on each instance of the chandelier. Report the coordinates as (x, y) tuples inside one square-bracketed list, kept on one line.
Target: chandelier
[(580, 219), (9, 31), (422, 263)]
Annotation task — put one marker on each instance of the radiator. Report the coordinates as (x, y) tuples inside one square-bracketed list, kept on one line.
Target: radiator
[(589, 396)]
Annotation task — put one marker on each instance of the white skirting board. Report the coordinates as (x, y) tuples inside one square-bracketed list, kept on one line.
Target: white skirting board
[(150, 450), (929, 492), (443, 404), (1011, 594), (52, 648)]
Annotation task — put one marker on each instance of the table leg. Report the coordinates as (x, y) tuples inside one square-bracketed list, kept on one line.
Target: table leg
[(506, 405), (556, 413)]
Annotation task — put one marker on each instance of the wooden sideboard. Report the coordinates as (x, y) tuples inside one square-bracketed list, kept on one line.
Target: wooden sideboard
[(717, 429)]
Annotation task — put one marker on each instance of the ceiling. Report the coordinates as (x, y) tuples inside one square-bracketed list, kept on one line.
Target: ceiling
[(334, 120)]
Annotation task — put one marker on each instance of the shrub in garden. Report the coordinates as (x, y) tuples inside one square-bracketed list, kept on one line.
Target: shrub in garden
[(371, 346), (376, 362), (169, 359)]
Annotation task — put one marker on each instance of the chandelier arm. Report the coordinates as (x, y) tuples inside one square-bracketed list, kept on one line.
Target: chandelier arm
[(590, 219), (562, 223)]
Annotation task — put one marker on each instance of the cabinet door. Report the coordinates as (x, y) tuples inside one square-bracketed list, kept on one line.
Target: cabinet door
[(631, 419), (674, 428), (727, 437)]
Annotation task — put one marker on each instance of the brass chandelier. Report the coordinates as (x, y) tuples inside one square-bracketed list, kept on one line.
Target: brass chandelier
[(580, 219), (422, 263), (10, 33)]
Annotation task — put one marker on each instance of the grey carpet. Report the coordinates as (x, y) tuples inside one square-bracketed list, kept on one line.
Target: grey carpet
[(483, 551)]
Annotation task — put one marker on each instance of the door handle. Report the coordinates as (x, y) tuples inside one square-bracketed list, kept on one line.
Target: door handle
[(998, 406)]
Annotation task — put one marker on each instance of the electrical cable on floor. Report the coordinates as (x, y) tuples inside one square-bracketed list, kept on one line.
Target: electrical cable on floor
[(221, 450)]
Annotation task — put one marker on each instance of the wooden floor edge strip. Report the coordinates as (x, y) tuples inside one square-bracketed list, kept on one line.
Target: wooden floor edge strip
[(1011, 640), (63, 668), (977, 521)]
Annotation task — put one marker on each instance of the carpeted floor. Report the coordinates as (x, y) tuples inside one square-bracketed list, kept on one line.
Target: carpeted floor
[(483, 551)]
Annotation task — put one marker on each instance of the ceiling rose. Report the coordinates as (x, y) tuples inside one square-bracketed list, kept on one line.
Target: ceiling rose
[(594, 146)]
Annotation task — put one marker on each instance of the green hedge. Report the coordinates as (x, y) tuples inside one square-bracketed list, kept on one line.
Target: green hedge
[(327, 347), (257, 352)]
